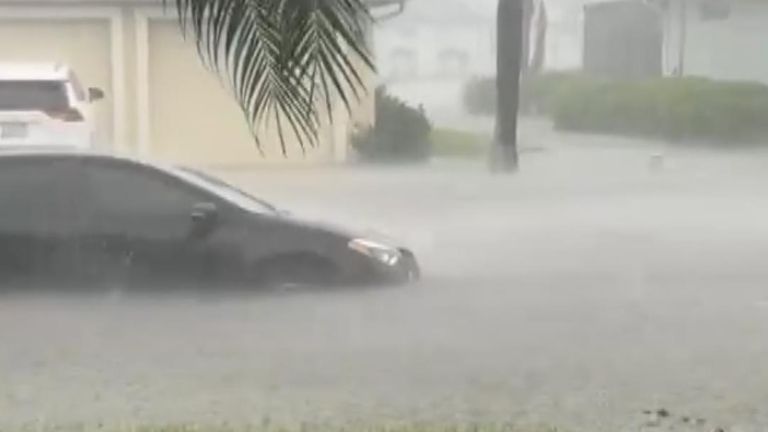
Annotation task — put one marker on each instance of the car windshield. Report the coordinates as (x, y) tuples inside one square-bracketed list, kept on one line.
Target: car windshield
[(225, 190), (33, 95)]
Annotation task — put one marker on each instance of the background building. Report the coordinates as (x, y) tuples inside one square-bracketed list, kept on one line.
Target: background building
[(722, 39), (719, 39), (447, 39)]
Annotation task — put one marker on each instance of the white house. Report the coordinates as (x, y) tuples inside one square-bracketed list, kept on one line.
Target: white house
[(720, 39), (565, 34), (435, 39), (428, 53)]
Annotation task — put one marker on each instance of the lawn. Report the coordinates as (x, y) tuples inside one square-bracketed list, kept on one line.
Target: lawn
[(500, 427), (458, 144)]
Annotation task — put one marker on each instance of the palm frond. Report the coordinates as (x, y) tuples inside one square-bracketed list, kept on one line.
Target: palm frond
[(284, 59)]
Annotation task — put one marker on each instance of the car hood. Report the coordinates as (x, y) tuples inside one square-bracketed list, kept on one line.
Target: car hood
[(343, 231)]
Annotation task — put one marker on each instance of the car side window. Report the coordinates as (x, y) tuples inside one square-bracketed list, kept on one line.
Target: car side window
[(137, 191), (137, 200), (31, 197)]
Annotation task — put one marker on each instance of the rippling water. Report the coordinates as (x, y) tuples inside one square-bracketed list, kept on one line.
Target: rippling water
[(595, 284)]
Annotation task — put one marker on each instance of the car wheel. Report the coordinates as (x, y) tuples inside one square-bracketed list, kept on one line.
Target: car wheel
[(296, 271), (413, 270)]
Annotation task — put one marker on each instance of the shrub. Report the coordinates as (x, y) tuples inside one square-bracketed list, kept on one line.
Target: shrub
[(671, 108), (401, 133)]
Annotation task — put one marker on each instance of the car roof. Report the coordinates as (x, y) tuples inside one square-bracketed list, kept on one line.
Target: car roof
[(192, 177), (33, 71), (43, 151), (9, 154), (60, 152), (27, 153)]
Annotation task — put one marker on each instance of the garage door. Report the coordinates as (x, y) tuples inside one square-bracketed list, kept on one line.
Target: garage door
[(82, 44), (193, 116)]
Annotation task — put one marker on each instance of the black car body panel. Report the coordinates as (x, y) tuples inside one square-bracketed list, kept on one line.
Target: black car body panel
[(92, 220)]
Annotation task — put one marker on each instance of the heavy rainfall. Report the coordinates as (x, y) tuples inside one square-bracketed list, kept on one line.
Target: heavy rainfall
[(613, 280)]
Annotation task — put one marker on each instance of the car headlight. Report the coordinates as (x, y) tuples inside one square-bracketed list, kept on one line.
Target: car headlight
[(380, 252)]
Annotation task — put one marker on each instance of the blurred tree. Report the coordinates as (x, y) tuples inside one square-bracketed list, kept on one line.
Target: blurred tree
[(538, 59), (535, 38)]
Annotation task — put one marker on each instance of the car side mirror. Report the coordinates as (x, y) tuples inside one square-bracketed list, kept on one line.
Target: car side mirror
[(204, 217), (95, 94)]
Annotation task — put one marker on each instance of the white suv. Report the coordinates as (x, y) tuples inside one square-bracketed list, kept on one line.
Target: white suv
[(45, 105)]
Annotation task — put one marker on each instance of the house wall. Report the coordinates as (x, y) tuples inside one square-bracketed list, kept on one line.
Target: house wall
[(565, 34), (162, 102), (437, 39), (423, 35), (193, 115), (734, 48), (623, 39), (411, 51)]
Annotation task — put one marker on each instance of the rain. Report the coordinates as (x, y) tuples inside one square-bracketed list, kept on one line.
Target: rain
[(612, 283)]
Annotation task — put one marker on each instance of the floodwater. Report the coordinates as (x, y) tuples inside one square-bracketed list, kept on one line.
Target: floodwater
[(606, 278)]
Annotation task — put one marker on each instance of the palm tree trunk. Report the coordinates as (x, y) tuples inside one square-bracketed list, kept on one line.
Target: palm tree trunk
[(540, 44), (510, 35), (683, 38)]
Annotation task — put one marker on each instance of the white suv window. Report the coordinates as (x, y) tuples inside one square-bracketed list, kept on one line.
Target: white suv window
[(77, 87), (21, 95)]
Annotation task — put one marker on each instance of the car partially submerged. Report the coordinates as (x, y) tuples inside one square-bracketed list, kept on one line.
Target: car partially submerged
[(84, 220)]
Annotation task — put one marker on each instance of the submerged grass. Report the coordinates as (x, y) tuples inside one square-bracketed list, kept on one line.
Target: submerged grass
[(304, 427), (454, 143)]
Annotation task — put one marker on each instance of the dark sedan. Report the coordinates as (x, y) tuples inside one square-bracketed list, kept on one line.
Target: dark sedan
[(92, 220)]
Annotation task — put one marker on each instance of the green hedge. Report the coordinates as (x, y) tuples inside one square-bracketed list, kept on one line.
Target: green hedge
[(536, 93), (670, 108), (674, 108), (401, 133)]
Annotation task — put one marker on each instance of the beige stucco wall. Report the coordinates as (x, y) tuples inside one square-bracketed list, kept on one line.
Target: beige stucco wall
[(130, 82), (194, 116)]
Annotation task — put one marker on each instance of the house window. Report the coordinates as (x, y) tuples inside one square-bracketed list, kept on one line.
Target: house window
[(404, 63), (409, 32), (661, 4), (712, 10), (453, 62)]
